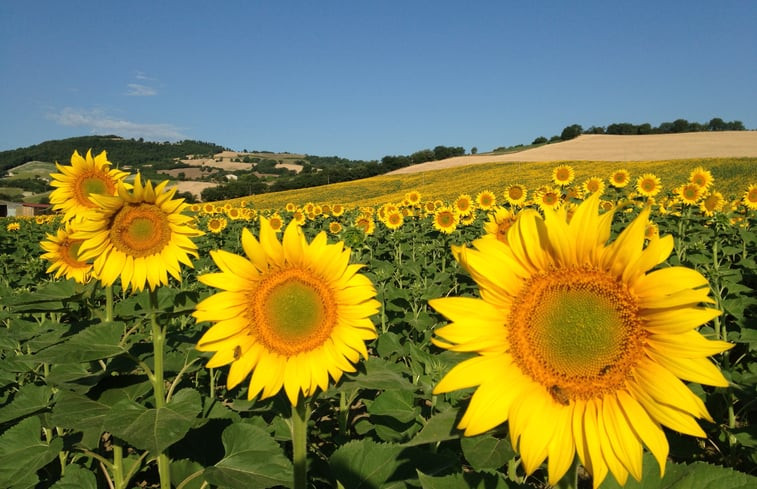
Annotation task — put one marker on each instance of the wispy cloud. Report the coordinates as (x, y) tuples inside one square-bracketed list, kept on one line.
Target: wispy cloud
[(138, 90), (98, 122)]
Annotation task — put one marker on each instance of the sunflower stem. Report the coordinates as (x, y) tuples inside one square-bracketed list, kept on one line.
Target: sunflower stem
[(158, 343), (118, 450), (300, 416), (570, 479)]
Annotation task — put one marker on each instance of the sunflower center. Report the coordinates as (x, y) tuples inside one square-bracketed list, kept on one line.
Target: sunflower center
[(92, 183), (71, 253), (577, 332), (515, 193), (293, 311), (140, 230)]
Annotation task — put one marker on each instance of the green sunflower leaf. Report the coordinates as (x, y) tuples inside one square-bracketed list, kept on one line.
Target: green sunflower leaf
[(253, 460), (29, 399), (440, 427), (366, 464), (486, 452), (23, 452), (78, 412), (76, 477), (472, 480), (698, 475), (93, 343), (154, 429), (395, 404)]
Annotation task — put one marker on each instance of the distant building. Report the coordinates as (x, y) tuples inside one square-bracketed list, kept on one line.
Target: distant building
[(18, 209)]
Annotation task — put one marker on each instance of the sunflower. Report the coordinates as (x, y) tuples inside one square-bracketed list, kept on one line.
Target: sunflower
[(292, 313), (750, 197), (276, 222), (139, 235), (209, 208), (429, 206), (86, 176), (446, 219), (689, 193), (712, 203), (486, 200), (63, 254), (366, 223), (620, 178), (234, 213), (563, 175), (548, 198), (290, 207), (594, 185), (394, 220), (13, 226), (217, 224), (593, 343), (463, 204), (299, 217), (413, 197), (648, 185), (335, 227), (701, 177), (499, 222), (337, 210), (516, 194)]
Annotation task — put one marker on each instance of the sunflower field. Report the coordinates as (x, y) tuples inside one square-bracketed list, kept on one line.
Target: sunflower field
[(562, 328)]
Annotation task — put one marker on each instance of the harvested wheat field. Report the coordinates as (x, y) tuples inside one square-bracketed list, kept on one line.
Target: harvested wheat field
[(607, 147)]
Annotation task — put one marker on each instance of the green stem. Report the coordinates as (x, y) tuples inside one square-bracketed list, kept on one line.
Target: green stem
[(118, 450), (300, 416), (570, 479), (158, 344)]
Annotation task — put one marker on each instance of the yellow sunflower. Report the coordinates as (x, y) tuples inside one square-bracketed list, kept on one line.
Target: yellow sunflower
[(516, 194), (689, 193), (394, 220), (337, 210), (413, 197), (366, 223), (63, 254), (701, 177), (594, 185), (463, 204), (750, 197), (209, 208), (290, 207), (548, 198), (299, 217), (648, 185), (563, 175), (620, 178), (593, 343), (335, 227), (446, 219), (276, 222), (140, 236), (486, 199), (217, 224), (86, 176), (499, 222), (712, 203), (292, 313)]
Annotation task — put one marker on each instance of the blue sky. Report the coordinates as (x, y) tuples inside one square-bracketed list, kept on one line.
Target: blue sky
[(362, 79)]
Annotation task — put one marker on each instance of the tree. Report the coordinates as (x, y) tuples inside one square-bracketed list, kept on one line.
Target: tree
[(571, 132), (540, 140), (716, 124), (474, 150)]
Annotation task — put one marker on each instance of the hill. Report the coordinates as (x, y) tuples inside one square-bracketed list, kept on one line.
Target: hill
[(607, 147)]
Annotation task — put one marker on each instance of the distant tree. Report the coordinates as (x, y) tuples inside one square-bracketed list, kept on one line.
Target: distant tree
[(595, 130), (680, 125), (645, 128), (555, 139), (571, 132), (540, 140), (735, 126), (716, 124), (474, 150), (422, 156)]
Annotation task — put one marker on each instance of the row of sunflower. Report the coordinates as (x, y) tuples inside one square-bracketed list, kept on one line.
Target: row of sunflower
[(555, 322)]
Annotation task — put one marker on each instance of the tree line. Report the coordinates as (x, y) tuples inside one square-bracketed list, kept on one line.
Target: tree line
[(627, 128)]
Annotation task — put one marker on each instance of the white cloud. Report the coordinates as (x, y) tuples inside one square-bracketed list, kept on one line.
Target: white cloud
[(137, 90), (98, 122)]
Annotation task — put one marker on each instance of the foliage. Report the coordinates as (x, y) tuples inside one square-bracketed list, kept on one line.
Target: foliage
[(74, 384)]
